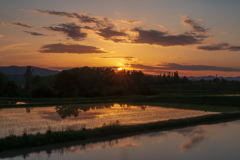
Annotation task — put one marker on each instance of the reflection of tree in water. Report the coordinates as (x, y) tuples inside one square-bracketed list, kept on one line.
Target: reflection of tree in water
[(24, 156), (143, 107), (65, 111), (74, 110), (28, 109)]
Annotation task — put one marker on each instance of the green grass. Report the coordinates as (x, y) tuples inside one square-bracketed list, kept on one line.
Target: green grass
[(111, 129)]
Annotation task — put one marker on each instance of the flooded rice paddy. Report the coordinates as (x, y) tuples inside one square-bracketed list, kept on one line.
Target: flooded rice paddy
[(217, 141), (16, 121)]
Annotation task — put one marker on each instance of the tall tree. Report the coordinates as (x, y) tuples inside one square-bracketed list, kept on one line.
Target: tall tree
[(28, 75)]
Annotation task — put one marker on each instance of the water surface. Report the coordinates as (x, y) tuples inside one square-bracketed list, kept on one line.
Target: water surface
[(16, 121), (203, 142)]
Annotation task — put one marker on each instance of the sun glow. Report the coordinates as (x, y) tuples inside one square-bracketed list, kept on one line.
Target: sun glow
[(119, 69)]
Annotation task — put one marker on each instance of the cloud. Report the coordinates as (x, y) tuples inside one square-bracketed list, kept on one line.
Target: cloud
[(219, 47), (130, 22), (175, 66), (107, 28), (21, 25), (69, 48), (124, 58), (110, 34), (34, 33), (234, 48), (166, 67), (160, 38), (147, 68), (87, 27), (71, 29), (194, 25), (81, 17), (143, 67), (16, 24)]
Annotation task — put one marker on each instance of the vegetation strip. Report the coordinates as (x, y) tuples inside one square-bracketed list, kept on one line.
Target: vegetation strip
[(50, 137), (184, 99)]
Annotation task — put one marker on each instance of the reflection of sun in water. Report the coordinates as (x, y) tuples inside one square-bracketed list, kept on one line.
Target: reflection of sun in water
[(119, 69)]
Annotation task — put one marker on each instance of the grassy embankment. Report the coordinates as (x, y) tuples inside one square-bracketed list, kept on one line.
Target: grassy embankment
[(218, 100), (50, 137)]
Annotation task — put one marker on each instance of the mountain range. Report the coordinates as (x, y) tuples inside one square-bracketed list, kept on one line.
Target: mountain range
[(16, 70)]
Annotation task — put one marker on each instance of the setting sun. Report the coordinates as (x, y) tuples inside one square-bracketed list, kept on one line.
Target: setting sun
[(119, 69)]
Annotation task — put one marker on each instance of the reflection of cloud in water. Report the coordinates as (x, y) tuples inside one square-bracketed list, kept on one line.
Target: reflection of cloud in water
[(191, 131), (90, 146), (192, 142), (129, 145), (194, 134), (56, 117)]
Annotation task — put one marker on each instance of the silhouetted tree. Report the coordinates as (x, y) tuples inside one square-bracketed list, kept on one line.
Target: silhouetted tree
[(176, 77), (7, 88), (28, 75)]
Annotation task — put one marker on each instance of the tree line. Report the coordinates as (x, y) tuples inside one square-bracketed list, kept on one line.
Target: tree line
[(87, 82)]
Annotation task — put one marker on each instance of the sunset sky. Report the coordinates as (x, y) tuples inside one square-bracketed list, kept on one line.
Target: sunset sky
[(193, 37)]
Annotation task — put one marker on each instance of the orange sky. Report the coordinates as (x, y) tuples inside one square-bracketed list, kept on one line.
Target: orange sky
[(194, 38)]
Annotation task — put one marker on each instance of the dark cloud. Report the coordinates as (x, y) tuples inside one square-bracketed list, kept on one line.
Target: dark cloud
[(87, 27), (104, 23), (164, 39), (147, 68), (21, 25), (125, 58), (143, 67), (107, 28), (86, 19), (194, 25), (219, 47), (175, 66), (69, 48), (100, 23), (234, 48), (110, 34), (71, 29), (179, 67), (34, 33), (214, 47), (82, 18), (48, 12)]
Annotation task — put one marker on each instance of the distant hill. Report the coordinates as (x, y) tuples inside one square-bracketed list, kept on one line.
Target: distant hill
[(212, 77), (15, 70)]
